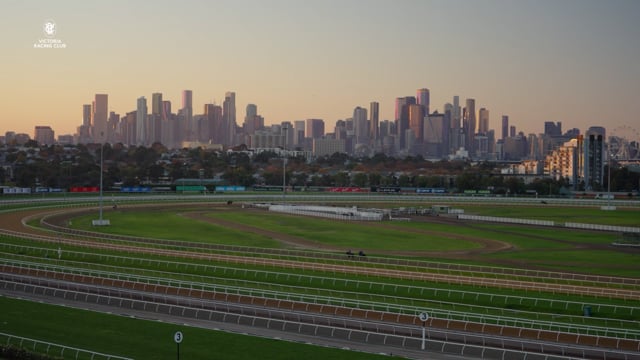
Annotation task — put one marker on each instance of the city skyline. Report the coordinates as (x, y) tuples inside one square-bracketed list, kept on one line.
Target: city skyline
[(572, 61)]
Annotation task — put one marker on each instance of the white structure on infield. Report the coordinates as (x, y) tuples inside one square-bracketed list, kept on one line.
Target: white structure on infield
[(331, 212)]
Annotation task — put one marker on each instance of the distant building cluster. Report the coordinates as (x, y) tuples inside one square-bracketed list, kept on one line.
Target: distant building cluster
[(459, 132)]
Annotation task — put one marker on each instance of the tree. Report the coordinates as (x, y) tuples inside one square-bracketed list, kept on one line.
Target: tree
[(360, 179)]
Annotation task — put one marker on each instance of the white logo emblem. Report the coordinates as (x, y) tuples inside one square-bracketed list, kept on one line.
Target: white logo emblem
[(49, 28)]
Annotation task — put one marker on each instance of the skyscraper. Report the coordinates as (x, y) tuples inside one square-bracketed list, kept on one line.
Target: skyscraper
[(86, 115), (99, 119), (249, 119), (229, 117), (505, 127), (423, 100), (374, 119), (402, 118), (361, 128), (315, 128), (156, 104), (469, 124), (187, 112), (141, 121), (416, 121), (594, 157), (553, 129), (298, 138), (483, 121)]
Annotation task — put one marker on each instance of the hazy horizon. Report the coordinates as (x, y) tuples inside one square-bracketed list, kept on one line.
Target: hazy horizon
[(573, 61)]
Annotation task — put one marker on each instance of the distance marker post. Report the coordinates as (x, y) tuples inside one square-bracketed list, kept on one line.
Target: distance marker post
[(423, 317), (177, 337)]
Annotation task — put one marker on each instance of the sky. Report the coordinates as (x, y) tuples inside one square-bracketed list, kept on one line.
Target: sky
[(574, 61)]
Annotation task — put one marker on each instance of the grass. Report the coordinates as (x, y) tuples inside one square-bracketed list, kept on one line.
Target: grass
[(143, 339), (172, 226), (535, 247), (532, 246)]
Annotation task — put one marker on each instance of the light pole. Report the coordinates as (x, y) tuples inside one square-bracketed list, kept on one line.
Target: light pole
[(284, 164), (101, 221)]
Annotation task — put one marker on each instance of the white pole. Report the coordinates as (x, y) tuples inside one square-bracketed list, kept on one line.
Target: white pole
[(101, 160), (424, 324)]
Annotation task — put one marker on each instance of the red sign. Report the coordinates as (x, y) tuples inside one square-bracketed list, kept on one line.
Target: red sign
[(84, 189)]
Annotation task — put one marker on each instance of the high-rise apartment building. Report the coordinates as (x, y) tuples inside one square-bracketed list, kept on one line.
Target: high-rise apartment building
[(594, 157)]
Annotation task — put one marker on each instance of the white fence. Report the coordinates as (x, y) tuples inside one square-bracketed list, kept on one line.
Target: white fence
[(55, 349), (506, 220), (613, 228)]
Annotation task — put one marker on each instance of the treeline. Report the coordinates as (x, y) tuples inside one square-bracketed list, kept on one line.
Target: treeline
[(72, 166)]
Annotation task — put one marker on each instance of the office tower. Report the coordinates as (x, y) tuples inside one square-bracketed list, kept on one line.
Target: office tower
[(288, 133), (416, 121), (249, 124), (112, 128), (436, 135), (374, 120), (166, 110), (128, 128), (315, 128), (44, 135), (141, 121), (169, 128), (402, 118), (469, 124), (456, 115), (505, 127), (99, 118), (213, 114), (423, 100), (483, 121), (188, 129), (229, 117), (553, 129), (298, 138), (360, 125), (594, 157), (512, 131), (156, 104), (86, 115)]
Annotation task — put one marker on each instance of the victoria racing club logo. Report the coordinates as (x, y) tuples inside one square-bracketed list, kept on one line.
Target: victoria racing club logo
[(49, 28), (49, 40)]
